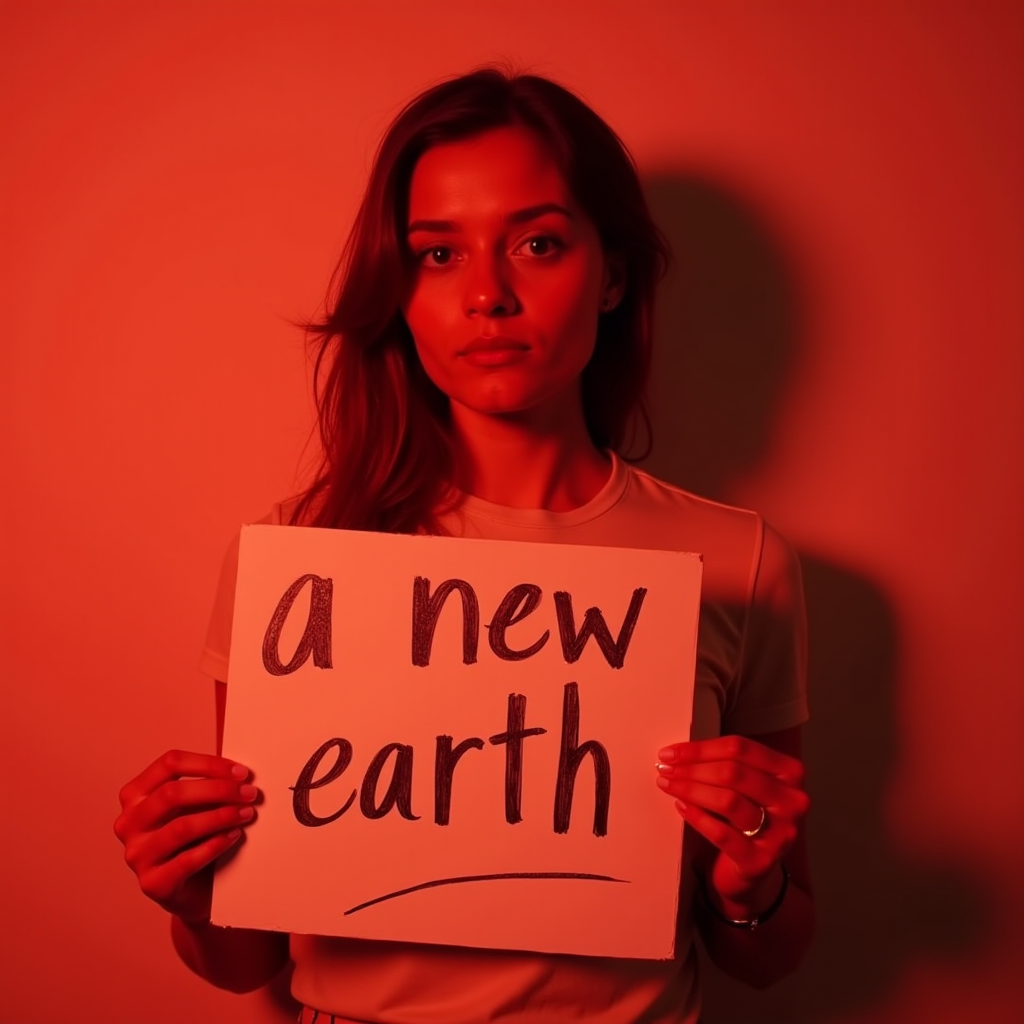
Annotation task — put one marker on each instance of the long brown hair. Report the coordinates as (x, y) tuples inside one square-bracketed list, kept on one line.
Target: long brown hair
[(386, 459)]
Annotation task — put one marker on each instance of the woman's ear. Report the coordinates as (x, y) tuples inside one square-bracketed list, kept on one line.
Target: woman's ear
[(614, 285)]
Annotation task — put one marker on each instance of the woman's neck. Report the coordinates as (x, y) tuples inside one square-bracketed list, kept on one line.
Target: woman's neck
[(507, 461)]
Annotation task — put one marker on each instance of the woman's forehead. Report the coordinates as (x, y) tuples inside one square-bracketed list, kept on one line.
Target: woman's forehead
[(496, 172)]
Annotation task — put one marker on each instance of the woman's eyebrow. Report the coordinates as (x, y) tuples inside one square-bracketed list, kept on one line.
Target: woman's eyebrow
[(522, 216)]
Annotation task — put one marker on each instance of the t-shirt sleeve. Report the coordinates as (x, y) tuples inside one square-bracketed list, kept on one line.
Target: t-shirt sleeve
[(770, 691), (217, 649)]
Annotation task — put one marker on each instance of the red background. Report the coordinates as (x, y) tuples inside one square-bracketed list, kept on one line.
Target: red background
[(841, 347)]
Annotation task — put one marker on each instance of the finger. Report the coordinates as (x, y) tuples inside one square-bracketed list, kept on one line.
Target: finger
[(782, 803), (749, 783), (177, 798), (162, 882), (738, 810), (177, 764), (755, 852), (174, 799), (750, 858), (735, 748), (154, 848)]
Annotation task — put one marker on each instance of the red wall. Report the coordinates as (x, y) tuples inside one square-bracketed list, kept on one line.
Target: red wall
[(841, 347)]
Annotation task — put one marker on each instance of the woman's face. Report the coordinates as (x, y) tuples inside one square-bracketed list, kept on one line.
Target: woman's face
[(509, 276)]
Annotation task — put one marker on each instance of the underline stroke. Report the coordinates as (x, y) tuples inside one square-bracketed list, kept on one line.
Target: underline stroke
[(573, 875)]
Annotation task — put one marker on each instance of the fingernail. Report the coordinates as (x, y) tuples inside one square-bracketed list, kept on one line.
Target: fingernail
[(668, 755), (680, 806), (245, 813), (240, 771), (248, 792), (234, 834), (663, 782), (663, 767)]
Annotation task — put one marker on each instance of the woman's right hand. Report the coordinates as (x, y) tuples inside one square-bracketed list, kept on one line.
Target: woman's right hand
[(177, 817)]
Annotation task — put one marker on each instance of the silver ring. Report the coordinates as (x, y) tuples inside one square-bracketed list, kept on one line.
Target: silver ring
[(751, 833)]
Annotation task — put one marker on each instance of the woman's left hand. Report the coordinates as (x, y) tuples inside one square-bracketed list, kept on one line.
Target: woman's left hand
[(747, 800)]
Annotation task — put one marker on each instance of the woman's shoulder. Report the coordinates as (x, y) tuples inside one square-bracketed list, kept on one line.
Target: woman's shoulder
[(731, 538), (654, 489), (651, 499), (280, 513)]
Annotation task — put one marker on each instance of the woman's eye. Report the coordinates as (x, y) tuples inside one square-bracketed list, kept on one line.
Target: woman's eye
[(436, 256), (542, 245)]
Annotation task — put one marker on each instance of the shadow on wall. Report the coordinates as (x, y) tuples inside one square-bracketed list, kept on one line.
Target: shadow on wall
[(729, 333)]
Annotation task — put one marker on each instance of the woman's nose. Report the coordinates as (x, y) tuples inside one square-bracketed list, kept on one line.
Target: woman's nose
[(488, 290)]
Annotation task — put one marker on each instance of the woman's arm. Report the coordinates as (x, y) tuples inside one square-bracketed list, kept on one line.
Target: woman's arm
[(721, 786), (237, 959), (177, 817)]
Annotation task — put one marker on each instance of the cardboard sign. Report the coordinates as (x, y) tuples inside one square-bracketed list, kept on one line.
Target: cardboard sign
[(456, 739)]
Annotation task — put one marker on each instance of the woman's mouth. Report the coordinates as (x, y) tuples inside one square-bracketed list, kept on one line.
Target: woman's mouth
[(494, 351)]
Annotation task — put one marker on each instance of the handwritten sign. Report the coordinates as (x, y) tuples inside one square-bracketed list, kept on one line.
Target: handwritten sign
[(456, 739)]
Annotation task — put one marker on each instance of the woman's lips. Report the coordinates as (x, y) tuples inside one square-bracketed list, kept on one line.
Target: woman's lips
[(494, 351)]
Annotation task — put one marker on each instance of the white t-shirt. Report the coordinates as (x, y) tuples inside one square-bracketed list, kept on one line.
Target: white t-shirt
[(751, 679)]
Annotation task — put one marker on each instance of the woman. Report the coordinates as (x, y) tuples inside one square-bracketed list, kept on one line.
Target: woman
[(482, 367)]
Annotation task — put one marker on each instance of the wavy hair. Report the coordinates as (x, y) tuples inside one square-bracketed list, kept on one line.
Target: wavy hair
[(386, 461)]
